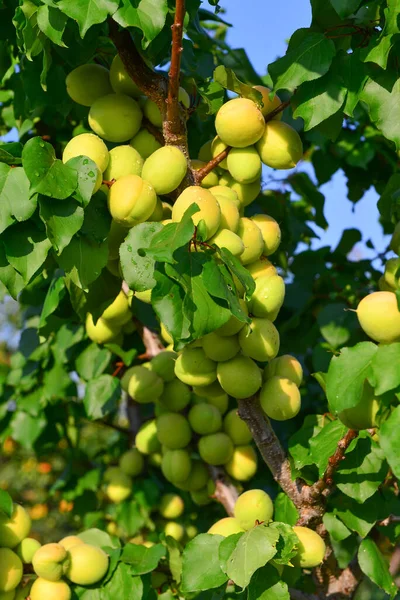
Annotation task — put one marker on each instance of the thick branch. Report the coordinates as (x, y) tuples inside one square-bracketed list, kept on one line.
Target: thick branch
[(225, 492), (150, 340), (173, 108)]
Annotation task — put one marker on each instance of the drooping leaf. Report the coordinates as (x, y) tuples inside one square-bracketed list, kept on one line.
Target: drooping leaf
[(55, 294), (382, 95), (62, 219), (101, 396), (147, 15), (141, 559), (389, 440), (138, 268), (26, 248), (88, 12), (15, 199), (345, 8), (375, 566), (324, 444), (201, 570), (229, 81), (52, 22), (83, 260), (267, 584)]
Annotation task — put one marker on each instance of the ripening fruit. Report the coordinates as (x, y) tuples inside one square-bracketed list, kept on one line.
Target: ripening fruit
[(152, 113), (268, 296), (118, 312), (102, 332), (229, 212), (244, 164), (253, 506), (90, 145), (225, 527), (145, 143), (115, 117), (87, 83), (209, 180), (216, 448), (120, 81), (226, 192), (285, 366), (131, 200), (176, 395), (392, 272), (27, 549), (233, 326), (49, 590), (171, 506), (175, 530), (164, 365), (239, 377), (144, 385), (379, 317), (218, 146), (146, 439), (243, 464), (209, 211), (363, 415), (165, 169), (215, 395), (195, 368), (271, 232), (251, 237), (14, 529), (260, 267), (311, 550), (119, 487), (220, 348), (205, 418), (201, 498), (268, 105), (280, 146), (197, 479), (124, 160), (131, 462), (11, 570), (224, 238), (49, 560), (69, 541), (87, 564), (246, 192), (384, 286), (280, 398), (173, 431), (259, 340), (239, 123), (176, 465), (395, 241), (236, 428), (205, 154)]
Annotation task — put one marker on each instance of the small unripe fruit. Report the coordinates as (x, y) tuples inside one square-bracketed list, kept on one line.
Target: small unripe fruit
[(379, 317), (253, 506), (144, 385), (311, 550), (90, 145), (102, 332), (280, 147), (146, 439), (252, 239), (384, 286), (115, 117), (209, 212), (197, 479), (69, 541), (244, 164), (210, 179), (131, 200), (215, 449), (131, 462), (11, 570), (175, 530), (261, 267), (27, 549), (280, 398), (164, 365), (218, 146), (118, 312), (236, 428), (49, 560), (165, 169), (363, 415), (268, 296), (392, 272), (225, 527), (205, 418), (229, 213), (87, 83), (87, 564), (195, 368), (205, 154), (239, 377), (395, 241), (243, 464), (201, 497), (145, 143), (14, 529), (285, 366), (259, 340), (233, 326), (171, 506), (50, 590), (224, 238), (270, 231), (268, 105), (215, 395), (152, 113), (173, 430), (239, 123), (176, 396), (120, 81), (176, 465), (124, 160), (220, 348)]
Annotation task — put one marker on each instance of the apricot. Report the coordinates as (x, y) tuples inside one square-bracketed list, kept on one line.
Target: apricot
[(252, 239), (193, 367), (220, 348), (126, 378), (270, 231), (173, 430), (268, 296), (175, 530), (49, 590), (210, 179), (379, 317), (115, 117), (205, 418), (171, 506), (260, 267), (244, 164), (200, 497), (124, 160), (215, 395), (395, 240), (259, 340), (145, 143), (268, 105), (209, 212), (224, 238), (216, 448), (49, 560), (280, 398), (144, 296), (229, 212), (119, 487), (115, 238), (26, 549), (146, 439), (226, 192), (233, 326), (87, 83), (205, 154), (87, 564), (167, 211), (90, 145), (285, 366), (11, 570), (152, 113), (197, 479), (164, 365), (246, 192), (157, 214), (363, 415), (165, 169), (8, 595), (384, 286), (253, 507), (120, 81), (144, 385), (69, 541), (118, 312), (218, 146), (392, 272), (280, 147), (243, 464), (131, 462), (236, 428), (131, 200), (239, 123), (225, 527), (176, 396), (176, 465), (15, 528), (239, 377), (311, 549)]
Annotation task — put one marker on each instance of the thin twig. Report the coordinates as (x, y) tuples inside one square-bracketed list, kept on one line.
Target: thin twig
[(225, 492), (153, 130), (173, 108), (277, 110)]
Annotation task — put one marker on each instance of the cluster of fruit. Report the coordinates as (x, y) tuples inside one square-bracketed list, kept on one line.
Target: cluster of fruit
[(80, 563)]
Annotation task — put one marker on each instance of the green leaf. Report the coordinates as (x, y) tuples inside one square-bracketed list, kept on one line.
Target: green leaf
[(52, 22), (305, 60), (324, 444), (88, 12), (138, 270), (389, 440), (11, 152), (303, 185), (174, 558), (6, 503), (15, 199), (212, 93), (378, 50), (141, 559), (91, 363), (167, 300), (376, 567), (219, 283), (87, 178), (336, 529), (101, 396), (201, 570), (228, 80), (345, 8), (237, 269), (171, 237), (392, 17), (25, 429), (358, 517), (83, 260), (26, 248), (389, 201), (147, 15), (354, 74), (287, 545), (285, 510), (267, 584), (382, 96), (62, 219), (385, 368), (299, 442), (54, 296), (97, 537), (335, 324), (9, 277)]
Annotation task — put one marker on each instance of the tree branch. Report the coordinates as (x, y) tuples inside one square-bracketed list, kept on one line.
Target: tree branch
[(225, 492), (173, 108), (298, 595), (277, 110), (153, 130)]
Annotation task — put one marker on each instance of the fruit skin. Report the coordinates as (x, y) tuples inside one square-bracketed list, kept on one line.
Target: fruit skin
[(280, 146), (11, 570), (270, 231), (87, 83), (49, 560), (115, 117), (164, 364), (218, 146), (215, 395), (244, 164), (144, 385), (224, 238), (236, 428), (26, 549), (268, 296), (118, 312), (87, 564), (102, 332), (280, 398), (229, 212), (252, 506), (145, 143), (246, 192), (392, 272), (13, 530), (216, 448), (225, 527), (90, 145), (176, 396), (260, 340), (193, 367), (152, 113), (226, 192), (285, 366), (146, 439), (311, 548), (239, 123), (165, 169), (243, 464), (209, 211), (131, 462), (7, 595), (124, 160), (50, 590), (233, 326), (379, 317), (197, 479), (205, 418), (220, 348), (120, 81), (175, 530), (363, 415), (131, 200), (69, 541), (252, 239), (119, 486), (239, 377), (268, 105), (176, 466), (171, 506), (173, 430), (261, 267)]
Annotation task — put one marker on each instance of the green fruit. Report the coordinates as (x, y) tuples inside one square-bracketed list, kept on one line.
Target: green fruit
[(120, 81), (229, 213), (49, 560), (145, 143), (131, 462), (157, 214), (197, 479), (259, 340), (311, 549), (173, 430), (268, 105), (270, 231), (152, 113), (102, 332), (224, 238), (233, 326), (239, 377), (11, 570), (261, 267), (176, 396), (379, 317), (49, 590), (69, 541), (218, 146), (165, 169), (131, 200), (252, 508), (252, 239), (220, 348), (167, 211), (125, 379), (124, 160), (171, 506), (216, 448), (209, 212), (246, 192), (239, 123), (26, 549), (205, 154), (384, 286), (205, 418), (225, 527), (268, 296), (363, 415), (195, 368), (244, 164), (90, 145), (164, 365), (175, 530), (119, 486), (236, 428), (144, 385), (146, 439), (8, 595), (15, 528), (201, 497), (280, 398), (392, 272), (285, 366), (215, 395), (116, 236), (115, 117), (395, 241), (280, 146), (243, 464), (210, 179), (87, 564), (87, 83), (176, 465), (118, 312)]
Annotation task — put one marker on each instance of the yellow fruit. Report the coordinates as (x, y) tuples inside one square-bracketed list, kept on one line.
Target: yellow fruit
[(131, 200), (220, 348), (171, 506), (233, 326), (225, 527), (218, 146), (50, 590), (144, 385), (165, 169), (395, 241), (90, 145), (246, 192), (252, 508), (164, 333), (49, 560), (280, 146), (176, 465), (205, 154), (240, 377), (131, 462), (145, 143), (259, 340), (379, 317), (271, 232), (244, 164), (173, 431), (210, 179), (236, 428), (205, 418), (280, 398), (11, 570), (384, 286), (119, 487), (102, 332), (176, 396), (87, 83), (115, 117), (215, 395), (193, 367), (146, 439), (285, 366), (120, 81), (124, 160), (239, 123), (268, 296), (175, 530), (69, 541), (268, 105), (226, 192), (216, 448), (252, 239), (164, 365), (118, 312), (27, 549), (229, 212), (209, 211), (197, 479), (144, 296), (243, 464), (14, 529), (224, 238), (260, 267), (363, 415), (311, 548), (87, 564)]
